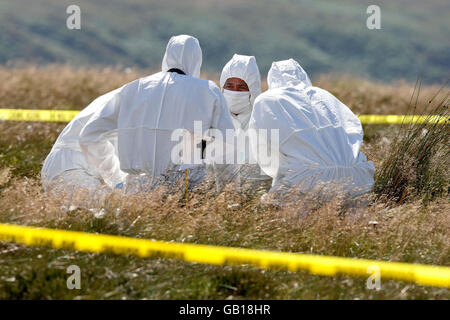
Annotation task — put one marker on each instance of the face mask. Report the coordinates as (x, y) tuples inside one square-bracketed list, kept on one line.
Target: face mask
[(238, 101)]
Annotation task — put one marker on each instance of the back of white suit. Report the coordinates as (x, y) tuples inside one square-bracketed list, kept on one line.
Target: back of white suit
[(319, 137), (146, 112)]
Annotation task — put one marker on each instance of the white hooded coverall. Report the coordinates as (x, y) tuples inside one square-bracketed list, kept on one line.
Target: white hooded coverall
[(245, 68), (319, 137), (240, 105), (65, 167), (145, 112)]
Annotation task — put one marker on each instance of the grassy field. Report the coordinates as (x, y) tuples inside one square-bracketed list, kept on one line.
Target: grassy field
[(412, 227)]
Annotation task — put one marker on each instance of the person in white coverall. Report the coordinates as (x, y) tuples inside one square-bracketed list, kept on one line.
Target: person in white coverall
[(65, 169), (241, 84), (319, 137), (145, 113)]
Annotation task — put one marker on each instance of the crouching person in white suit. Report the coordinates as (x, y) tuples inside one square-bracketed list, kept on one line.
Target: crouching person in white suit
[(319, 137), (241, 84), (145, 113), (65, 172)]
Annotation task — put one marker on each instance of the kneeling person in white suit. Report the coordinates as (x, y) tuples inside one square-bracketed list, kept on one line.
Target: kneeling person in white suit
[(241, 84), (319, 137), (145, 113), (65, 169)]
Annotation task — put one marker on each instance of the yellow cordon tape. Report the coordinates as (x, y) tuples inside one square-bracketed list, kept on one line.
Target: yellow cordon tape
[(38, 115), (215, 255), (399, 119), (67, 115)]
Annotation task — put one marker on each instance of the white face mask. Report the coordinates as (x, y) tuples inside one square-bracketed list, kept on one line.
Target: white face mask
[(238, 101)]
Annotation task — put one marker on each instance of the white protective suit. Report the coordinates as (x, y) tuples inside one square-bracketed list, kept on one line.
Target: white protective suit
[(240, 105), (319, 137), (145, 113), (65, 166)]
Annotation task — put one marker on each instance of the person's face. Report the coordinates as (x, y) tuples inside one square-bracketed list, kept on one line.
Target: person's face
[(235, 84)]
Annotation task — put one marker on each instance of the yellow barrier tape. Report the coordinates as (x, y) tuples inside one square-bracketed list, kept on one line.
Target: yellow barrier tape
[(67, 115), (319, 265), (399, 119), (38, 115)]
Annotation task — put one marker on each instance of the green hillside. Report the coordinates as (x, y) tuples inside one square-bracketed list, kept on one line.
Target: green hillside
[(325, 36)]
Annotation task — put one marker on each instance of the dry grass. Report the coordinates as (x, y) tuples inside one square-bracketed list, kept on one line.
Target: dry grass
[(60, 86), (418, 162), (367, 97), (209, 218), (410, 232)]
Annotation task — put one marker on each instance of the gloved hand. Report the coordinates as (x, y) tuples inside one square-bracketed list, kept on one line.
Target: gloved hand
[(120, 185)]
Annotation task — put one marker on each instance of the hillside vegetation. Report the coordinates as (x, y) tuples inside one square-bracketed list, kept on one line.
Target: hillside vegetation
[(325, 36)]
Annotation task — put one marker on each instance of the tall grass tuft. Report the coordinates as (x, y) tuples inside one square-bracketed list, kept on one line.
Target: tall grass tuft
[(417, 165)]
